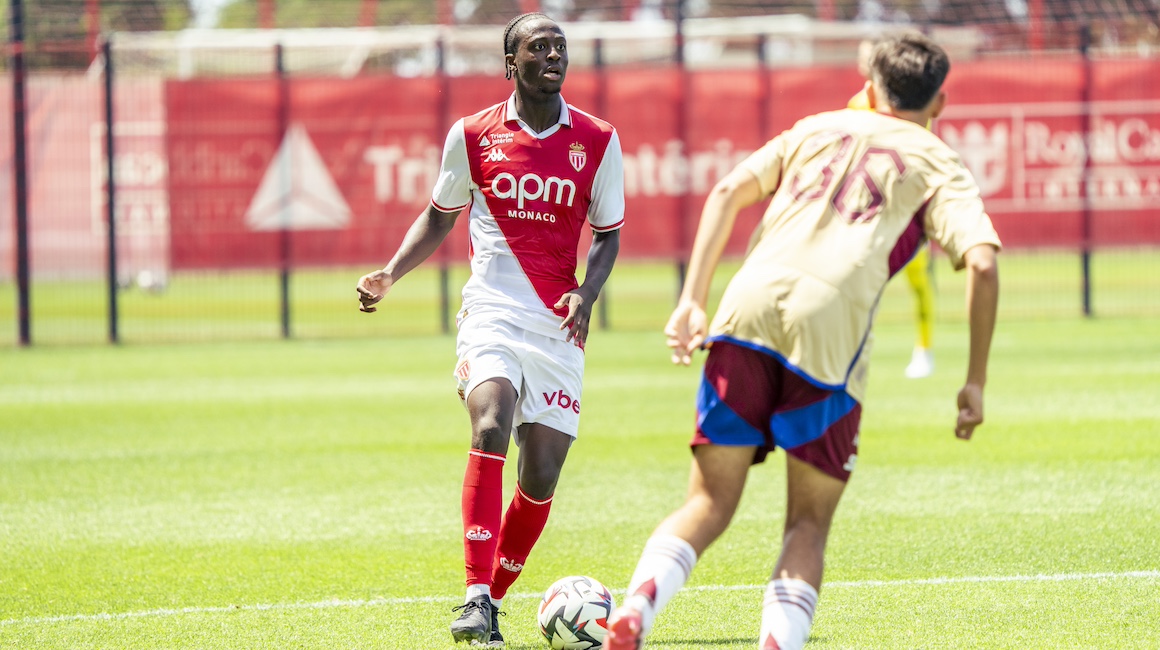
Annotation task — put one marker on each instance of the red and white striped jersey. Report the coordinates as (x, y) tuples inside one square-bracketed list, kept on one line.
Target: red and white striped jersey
[(529, 195)]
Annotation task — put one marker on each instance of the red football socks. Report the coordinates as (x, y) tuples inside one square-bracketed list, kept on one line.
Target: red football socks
[(481, 504), (522, 526)]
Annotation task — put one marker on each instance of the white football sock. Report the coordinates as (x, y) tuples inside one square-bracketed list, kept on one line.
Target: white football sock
[(477, 590), (663, 569), (787, 614)]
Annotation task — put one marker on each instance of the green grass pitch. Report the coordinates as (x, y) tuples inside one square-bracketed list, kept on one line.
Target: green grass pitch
[(305, 494)]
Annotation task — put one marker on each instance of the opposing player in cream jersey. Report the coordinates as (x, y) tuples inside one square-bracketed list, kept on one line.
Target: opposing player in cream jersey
[(918, 271), (854, 194), (532, 172)]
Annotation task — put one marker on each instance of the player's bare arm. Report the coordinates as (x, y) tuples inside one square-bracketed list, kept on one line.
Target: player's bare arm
[(982, 307), (686, 329), (421, 241), (601, 258)]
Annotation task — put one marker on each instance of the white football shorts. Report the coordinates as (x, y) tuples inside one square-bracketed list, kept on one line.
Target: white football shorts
[(547, 373)]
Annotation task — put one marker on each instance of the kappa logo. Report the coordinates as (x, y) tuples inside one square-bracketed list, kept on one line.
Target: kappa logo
[(478, 534), (496, 155), (514, 567), (577, 156)]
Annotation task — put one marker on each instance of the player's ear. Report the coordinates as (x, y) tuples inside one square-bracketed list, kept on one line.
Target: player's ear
[(509, 66), (938, 104)]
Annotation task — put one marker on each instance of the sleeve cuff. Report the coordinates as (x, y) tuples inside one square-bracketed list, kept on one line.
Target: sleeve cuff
[(443, 209), (615, 226)]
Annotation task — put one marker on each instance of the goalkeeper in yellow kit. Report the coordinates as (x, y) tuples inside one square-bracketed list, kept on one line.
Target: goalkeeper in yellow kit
[(918, 271)]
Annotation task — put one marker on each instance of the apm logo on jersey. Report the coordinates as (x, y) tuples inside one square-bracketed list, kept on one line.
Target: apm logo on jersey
[(532, 187)]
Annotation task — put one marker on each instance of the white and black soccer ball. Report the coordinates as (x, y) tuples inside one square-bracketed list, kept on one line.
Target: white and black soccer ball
[(574, 613)]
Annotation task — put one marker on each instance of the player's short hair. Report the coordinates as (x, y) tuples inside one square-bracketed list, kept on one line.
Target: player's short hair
[(910, 69), (510, 33)]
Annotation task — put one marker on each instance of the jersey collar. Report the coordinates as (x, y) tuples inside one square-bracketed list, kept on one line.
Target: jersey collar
[(512, 116)]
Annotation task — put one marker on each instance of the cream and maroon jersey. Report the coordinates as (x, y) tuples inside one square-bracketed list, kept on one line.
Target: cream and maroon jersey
[(855, 194), (529, 196)]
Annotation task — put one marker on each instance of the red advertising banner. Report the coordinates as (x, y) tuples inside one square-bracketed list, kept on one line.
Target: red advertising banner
[(67, 178), (1022, 130), (345, 165), (209, 171)]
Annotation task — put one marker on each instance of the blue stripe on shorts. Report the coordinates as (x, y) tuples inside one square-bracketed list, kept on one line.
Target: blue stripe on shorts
[(721, 423), (808, 423)]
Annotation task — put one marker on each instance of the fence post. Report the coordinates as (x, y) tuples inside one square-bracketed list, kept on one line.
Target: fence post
[(284, 227), (601, 110), (1086, 177), (764, 92), (20, 170), (110, 194), (683, 136), (442, 108)]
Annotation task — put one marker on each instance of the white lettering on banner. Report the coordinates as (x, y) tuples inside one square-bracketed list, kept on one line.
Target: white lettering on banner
[(530, 187), (1033, 156), (984, 152), (204, 163), (401, 177), (141, 172), (408, 177), (1132, 140), (142, 207), (673, 173)]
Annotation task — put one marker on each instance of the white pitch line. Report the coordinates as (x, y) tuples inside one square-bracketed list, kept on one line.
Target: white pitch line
[(379, 602)]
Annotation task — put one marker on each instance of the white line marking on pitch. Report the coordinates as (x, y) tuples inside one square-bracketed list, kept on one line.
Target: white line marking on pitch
[(378, 602)]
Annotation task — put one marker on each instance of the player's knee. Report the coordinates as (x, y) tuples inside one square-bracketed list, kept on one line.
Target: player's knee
[(539, 483), (714, 511), (488, 435)]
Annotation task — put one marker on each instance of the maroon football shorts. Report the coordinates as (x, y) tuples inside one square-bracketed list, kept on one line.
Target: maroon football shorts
[(749, 396)]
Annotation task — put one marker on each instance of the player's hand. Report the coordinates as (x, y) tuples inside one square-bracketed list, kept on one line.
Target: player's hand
[(371, 288), (579, 315), (970, 411), (686, 331)]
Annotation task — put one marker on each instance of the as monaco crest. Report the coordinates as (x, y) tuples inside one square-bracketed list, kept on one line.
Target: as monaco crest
[(577, 156)]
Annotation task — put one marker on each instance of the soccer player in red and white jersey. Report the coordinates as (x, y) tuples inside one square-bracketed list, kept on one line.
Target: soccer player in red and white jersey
[(853, 196), (531, 171)]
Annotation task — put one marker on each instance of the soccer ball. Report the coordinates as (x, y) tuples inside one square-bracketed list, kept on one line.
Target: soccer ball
[(574, 613)]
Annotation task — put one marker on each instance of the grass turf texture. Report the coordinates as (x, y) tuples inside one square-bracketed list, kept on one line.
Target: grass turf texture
[(305, 494), (245, 304)]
